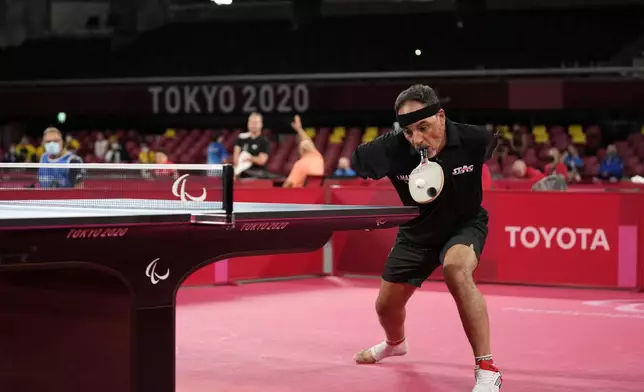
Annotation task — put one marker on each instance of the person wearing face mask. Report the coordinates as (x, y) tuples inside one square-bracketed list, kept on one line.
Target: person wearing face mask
[(100, 146), (116, 154), (451, 229), (145, 155), (54, 152)]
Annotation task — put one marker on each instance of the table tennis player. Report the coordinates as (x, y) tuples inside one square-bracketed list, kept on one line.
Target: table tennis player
[(433, 163)]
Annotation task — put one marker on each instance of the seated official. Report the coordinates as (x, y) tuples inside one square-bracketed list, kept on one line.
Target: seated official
[(54, 177), (310, 163)]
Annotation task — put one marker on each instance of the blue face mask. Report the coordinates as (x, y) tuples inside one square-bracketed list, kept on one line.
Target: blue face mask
[(52, 148)]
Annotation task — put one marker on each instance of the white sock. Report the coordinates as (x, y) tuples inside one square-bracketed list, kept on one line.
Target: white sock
[(383, 350)]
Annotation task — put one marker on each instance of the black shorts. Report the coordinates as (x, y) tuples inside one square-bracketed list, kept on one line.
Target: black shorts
[(413, 264)]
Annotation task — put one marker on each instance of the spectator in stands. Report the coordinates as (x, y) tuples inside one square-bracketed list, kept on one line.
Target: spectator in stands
[(573, 162), (556, 164), (519, 141), (522, 171), (161, 158), (612, 166), (26, 152), (344, 168), (11, 155), (251, 150), (100, 146), (71, 144), (311, 162), (48, 177), (217, 153), (486, 177), (502, 152), (116, 153), (145, 155)]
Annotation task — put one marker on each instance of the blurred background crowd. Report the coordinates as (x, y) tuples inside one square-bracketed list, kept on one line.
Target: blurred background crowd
[(288, 89)]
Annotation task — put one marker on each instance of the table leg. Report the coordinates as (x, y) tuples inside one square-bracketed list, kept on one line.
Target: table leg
[(153, 343)]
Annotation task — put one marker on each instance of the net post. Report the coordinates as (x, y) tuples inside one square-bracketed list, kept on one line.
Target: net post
[(228, 179)]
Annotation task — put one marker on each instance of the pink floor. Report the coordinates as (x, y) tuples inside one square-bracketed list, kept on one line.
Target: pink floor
[(301, 335)]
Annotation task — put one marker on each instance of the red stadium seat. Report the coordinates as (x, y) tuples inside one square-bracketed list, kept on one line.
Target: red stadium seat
[(322, 139)]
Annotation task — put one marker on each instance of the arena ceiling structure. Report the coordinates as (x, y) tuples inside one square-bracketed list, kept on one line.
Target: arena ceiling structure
[(22, 20)]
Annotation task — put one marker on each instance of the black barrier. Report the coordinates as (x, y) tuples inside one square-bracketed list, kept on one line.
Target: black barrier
[(197, 99)]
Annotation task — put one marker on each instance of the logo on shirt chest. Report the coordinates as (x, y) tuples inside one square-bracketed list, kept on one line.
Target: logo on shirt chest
[(250, 146), (462, 170), (403, 177)]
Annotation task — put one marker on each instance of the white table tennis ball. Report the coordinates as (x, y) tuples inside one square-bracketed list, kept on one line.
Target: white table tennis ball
[(420, 183)]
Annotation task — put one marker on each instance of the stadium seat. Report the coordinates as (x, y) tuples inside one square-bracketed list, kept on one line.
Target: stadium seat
[(321, 139), (331, 156), (505, 131), (338, 135), (540, 134), (370, 134), (310, 131), (577, 134)]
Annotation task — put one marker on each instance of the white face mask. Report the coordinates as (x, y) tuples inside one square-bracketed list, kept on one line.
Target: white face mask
[(52, 148)]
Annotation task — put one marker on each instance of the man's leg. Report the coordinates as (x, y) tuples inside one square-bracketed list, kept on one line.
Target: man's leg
[(390, 307), (405, 269), (458, 268), (459, 264)]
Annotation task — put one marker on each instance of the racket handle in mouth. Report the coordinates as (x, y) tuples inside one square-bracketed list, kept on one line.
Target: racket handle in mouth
[(423, 155)]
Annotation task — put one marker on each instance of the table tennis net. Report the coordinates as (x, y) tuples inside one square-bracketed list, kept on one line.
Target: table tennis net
[(124, 185)]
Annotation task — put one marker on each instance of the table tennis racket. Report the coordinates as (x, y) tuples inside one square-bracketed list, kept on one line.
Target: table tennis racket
[(426, 180)]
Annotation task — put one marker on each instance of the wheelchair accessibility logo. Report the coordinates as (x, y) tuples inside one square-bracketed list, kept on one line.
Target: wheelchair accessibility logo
[(179, 190), (620, 305)]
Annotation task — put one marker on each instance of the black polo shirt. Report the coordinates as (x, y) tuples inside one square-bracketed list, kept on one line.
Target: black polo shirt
[(391, 155), (254, 146)]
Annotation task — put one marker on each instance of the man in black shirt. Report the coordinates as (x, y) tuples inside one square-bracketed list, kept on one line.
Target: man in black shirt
[(251, 149), (450, 230)]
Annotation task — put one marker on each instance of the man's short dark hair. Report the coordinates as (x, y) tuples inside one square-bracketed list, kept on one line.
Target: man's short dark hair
[(418, 92)]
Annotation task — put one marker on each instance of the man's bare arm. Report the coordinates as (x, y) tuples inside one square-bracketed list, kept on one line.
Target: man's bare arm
[(260, 160), (297, 126), (236, 152)]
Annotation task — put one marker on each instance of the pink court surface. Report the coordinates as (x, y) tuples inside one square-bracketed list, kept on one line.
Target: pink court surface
[(300, 335)]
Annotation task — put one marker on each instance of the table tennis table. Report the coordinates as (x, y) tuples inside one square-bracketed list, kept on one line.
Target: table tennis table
[(87, 292)]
